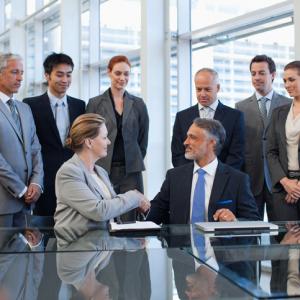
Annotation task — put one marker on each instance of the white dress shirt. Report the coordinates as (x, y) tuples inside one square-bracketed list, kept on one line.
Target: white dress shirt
[(210, 172), (292, 132), (208, 112)]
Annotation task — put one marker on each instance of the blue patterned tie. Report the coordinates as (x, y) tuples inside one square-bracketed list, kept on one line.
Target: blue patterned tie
[(198, 211), (15, 115)]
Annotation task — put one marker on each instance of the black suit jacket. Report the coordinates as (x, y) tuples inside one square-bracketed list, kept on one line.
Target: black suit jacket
[(53, 152), (233, 121), (172, 204)]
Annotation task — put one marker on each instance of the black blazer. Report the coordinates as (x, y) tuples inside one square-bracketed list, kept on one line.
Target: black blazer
[(135, 127), (53, 152), (233, 121), (172, 204)]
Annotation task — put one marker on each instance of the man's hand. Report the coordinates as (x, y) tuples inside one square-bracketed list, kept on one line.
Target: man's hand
[(32, 194), (144, 205), (224, 215)]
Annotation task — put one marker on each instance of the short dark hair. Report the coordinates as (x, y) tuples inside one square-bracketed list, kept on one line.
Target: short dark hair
[(264, 58), (55, 59), (215, 129), (293, 65)]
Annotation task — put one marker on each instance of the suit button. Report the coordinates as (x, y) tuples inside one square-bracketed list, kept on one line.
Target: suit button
[(264, 139), (26, 170)]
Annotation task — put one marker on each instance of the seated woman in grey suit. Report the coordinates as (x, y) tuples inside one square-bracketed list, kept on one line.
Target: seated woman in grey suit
[(127, 123), (283, 149), (85, 196)]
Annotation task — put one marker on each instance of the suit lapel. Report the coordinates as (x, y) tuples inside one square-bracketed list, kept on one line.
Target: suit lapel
[(89, 179), (274, 103), (184, 193), (127, 107), (282, 116), (46, 110), (219, 115), (9, 118), (108, 106), (254, 110), (72, 110), (218, 187)]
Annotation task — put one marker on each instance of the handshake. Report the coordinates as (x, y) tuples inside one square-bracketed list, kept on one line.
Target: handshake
[(144, 204)]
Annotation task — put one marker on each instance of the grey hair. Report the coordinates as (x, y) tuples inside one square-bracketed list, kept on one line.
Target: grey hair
[(5, 57), (212, 72), (215, 130)]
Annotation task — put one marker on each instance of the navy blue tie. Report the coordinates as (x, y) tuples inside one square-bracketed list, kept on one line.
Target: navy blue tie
[(198, 211)]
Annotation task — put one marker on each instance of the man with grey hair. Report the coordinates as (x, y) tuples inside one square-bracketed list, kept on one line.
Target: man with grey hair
[(207, 87), (205, 189), (21, 168)]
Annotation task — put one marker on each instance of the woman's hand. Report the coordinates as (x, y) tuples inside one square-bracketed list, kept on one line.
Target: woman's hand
[(144, 204), (292, 188)]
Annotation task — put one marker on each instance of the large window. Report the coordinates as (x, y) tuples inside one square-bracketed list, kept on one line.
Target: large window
[(120, 31), (208, 12), (231, 60), (51, 34)]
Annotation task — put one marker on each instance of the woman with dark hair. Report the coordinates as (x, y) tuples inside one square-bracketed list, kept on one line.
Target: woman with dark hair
[(283, 149), (127, 124), (85, 196)]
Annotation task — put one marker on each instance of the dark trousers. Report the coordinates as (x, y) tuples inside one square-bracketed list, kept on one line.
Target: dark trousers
[(283, 211), (265, 197), (123, 183)]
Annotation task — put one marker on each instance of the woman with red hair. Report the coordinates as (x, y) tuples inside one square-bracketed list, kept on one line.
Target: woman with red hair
[(127, 122)]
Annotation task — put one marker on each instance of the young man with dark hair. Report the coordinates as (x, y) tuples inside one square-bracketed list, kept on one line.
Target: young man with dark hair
[(54, 113)]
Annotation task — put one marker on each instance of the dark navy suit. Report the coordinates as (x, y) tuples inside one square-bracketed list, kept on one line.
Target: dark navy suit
[(233, 122), (231, 190)]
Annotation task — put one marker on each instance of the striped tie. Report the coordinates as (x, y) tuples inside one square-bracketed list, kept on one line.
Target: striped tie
[(15, 115)]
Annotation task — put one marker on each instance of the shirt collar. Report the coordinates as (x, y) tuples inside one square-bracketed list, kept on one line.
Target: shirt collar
[(54, 100), (4, 97), (209, 168), (213, 106), (268, 96)]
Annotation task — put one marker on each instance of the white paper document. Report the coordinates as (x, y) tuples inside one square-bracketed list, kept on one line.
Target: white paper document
[(146, 225), (239, 225)]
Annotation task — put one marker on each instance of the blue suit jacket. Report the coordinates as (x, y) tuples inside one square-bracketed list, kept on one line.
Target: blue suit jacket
[(233, 121), (231, 189)]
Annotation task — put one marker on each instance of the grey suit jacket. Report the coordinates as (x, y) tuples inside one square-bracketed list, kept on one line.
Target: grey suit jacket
[(276, 146), (20, 157), (135, 127), (255, 138), (80, 201)]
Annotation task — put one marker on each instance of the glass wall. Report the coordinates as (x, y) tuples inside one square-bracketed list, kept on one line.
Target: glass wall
[(231, 60)]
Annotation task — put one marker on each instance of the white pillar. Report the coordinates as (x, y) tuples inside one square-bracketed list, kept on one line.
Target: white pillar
[(184, 76), (94, 74), (17, 41), (70, 39), (153, 87)]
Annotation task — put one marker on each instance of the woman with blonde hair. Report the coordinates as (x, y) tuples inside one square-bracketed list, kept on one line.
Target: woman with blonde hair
[(84, 192)]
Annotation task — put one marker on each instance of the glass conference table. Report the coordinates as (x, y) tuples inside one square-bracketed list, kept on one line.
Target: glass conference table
[(178, 262)]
